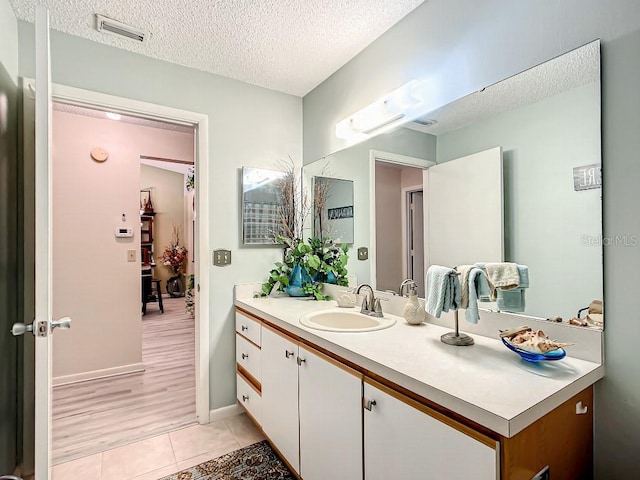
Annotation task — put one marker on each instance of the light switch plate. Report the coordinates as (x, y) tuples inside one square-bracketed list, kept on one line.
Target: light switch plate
[(363, 253), (221, 258)]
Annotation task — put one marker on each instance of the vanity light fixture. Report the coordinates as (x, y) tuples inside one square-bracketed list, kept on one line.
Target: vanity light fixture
[(113, 116), (405, 103)]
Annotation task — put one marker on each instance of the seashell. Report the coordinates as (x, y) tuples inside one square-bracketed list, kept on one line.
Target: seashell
[(534, 342)]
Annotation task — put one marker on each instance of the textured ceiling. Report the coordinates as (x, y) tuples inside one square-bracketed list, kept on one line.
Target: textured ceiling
[(285, 45), (573, 69)]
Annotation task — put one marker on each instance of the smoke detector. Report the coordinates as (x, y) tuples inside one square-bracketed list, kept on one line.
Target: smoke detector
[(113, 27)]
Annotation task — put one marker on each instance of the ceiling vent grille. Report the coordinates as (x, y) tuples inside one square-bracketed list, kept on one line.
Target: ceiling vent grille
[(425, 122), (113, 27)]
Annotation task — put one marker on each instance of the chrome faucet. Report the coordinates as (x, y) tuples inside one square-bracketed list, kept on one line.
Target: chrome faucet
[(404, 283), (370, 304)]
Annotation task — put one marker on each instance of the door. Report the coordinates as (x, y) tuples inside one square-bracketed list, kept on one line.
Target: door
[(43, 295), (280, 394), (415, 248), (402, 440), (465, 212), (42, 326), (10, 252), (330, 408)]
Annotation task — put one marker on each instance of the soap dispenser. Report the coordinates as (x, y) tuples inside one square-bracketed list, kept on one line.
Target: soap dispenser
[(413, 312)]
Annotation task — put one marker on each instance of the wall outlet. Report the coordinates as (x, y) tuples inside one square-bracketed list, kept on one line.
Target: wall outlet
[(363, 253), (221, 258), (131, 255)]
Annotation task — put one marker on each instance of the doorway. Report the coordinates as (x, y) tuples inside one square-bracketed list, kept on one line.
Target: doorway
[(126, 369), (197, 122), (397, 222)]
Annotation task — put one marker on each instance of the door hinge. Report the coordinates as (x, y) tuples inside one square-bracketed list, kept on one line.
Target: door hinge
[(367, 404)]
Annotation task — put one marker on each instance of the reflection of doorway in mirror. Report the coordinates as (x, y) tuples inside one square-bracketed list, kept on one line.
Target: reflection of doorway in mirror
[(414, 243), (399, 234)]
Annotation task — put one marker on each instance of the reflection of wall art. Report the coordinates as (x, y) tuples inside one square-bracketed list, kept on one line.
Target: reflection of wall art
[(340, 212), (145, 201)]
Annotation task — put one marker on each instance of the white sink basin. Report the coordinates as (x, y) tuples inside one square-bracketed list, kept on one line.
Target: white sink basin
[(339, 320)]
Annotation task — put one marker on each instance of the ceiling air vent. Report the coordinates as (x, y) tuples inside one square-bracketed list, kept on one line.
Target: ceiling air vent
[(108, 25), (425, 122)]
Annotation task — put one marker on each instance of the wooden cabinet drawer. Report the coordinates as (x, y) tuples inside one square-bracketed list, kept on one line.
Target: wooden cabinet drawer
[(249, 328), (248, 356), (249, 398)]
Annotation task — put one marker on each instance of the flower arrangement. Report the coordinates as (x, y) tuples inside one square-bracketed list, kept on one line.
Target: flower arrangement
[(174, 254), (321, 259)]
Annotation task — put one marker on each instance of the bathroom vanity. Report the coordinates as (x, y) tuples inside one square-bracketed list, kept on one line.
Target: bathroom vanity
[(397, 402)]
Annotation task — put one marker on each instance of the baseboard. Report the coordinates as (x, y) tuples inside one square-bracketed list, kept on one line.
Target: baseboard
[(225, 412), (95, 374)]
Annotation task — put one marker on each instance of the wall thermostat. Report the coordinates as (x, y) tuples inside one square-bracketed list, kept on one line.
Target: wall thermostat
[(124, 232)]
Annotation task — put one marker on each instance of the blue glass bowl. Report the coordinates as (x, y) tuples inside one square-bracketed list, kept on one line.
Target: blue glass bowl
[(557, 354)]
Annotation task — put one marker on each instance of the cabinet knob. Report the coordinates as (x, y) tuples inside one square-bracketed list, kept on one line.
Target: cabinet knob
[(244, 328), (300, 361), (288, 354), (368, 404), (245, 356), (245, 398)]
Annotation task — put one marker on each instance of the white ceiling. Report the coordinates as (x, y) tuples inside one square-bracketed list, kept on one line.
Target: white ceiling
[(285, 45)]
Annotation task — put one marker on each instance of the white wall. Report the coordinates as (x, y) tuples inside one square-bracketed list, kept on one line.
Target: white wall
[(467, 45), (248, 125), (9, 40)]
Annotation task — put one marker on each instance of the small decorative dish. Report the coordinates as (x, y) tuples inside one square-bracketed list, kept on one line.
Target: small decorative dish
[(557, 354), (533, 346)]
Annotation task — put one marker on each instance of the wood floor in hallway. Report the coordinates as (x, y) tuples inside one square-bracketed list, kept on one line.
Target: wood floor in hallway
[(96, 415)]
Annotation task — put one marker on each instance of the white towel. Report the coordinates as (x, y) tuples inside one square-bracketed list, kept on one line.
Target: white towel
[(464, 270), (443, 290), (504, 276)]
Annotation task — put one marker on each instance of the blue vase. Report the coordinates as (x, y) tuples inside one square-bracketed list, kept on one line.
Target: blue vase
[(331, 278), (299, 275)]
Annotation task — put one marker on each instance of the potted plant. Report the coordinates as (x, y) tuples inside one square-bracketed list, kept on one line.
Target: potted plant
[(173, 257), (306, 264)]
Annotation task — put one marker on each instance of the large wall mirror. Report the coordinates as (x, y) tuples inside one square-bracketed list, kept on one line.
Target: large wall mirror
[(545, 125), (333, 206)]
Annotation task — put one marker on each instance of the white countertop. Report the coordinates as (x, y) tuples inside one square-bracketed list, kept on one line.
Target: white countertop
[(485, 382)]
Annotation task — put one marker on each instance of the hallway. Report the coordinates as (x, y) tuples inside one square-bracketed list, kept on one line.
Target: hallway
[(101, 414)]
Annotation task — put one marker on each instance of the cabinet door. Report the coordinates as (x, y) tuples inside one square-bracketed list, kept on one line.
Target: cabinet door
[(330, 419), (403, 442), (280, 394)]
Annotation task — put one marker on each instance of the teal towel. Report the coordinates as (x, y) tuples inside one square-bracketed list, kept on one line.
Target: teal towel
[(511, 300), (476, 279), (523, 271), (443, 290)]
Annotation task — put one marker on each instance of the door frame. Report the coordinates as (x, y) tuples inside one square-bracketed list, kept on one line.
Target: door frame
[(397, 159), (200, 121), (406, 230)]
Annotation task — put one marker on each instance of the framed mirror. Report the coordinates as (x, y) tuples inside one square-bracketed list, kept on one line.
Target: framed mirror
[(261, 206), (546, 123), (333, 209)]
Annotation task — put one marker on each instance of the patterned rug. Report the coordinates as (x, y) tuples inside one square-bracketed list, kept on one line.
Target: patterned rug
[(255, 462)]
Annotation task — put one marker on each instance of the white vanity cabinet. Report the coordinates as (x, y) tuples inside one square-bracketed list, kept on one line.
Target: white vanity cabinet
[(280, 394), (311, 409), (404, 439), (249, 365), (330, 405)]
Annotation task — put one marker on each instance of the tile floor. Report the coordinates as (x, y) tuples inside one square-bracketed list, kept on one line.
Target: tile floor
[(165, 454)]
